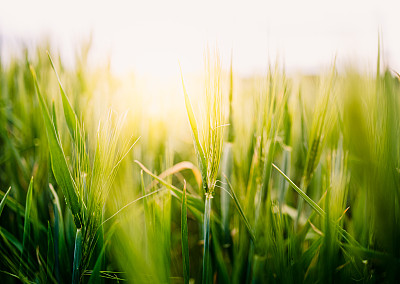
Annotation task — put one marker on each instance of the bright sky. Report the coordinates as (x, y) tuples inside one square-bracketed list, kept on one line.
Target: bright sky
[(150, 37)]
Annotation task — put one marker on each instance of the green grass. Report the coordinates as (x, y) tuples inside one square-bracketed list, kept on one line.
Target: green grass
[(283, 180)]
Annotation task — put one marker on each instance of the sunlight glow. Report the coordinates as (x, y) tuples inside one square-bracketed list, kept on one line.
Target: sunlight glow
[(150, 37)]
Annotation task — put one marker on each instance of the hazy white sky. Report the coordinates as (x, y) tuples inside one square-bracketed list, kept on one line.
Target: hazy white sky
[(149, 37)]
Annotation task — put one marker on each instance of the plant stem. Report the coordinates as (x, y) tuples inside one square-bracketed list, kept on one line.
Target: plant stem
[(77, 256), (206, 229)]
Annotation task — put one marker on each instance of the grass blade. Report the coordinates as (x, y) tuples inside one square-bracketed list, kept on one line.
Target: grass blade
[(226, 170), (176, 169), (318, 209), (241, 212), (77, 256), (60, 247), (50, 251), (184, 236), (58, 161), (195, 134), (146, 212), (27, 223), (12, 239), (206, 232), (195, 204), (13, 204), (301, 193), (222, 272), (70, 116), (227, 167), (95, 275), (54, 116), (4, 200)]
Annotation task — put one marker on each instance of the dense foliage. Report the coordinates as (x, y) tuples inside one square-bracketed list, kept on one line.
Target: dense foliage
[(289, 179)]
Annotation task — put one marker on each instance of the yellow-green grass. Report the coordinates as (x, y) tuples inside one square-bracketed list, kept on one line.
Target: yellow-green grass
[(271, 179)]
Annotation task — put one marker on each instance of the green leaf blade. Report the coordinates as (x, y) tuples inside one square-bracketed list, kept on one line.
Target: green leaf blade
[(196, 205), (195, 134), (27, 223), (59, 165), (206, 251), (69, 113), (184, 236), (4, 200), (77, 257), (95, 276)]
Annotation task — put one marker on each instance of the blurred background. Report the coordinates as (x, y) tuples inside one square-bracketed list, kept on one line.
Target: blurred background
[(150, 37), (143, 42)]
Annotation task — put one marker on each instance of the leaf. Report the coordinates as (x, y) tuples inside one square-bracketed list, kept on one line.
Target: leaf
[(184, 236), (318, 210), (50, 250), (231, 132), (196, 205), (54, 116), (241, 212), (206, 232), (185, 165), (77, 256), (60, 247), (11, 238), (58, 161), (146, 213), (301, 193), (223, 274), (13, 204), (226, 170), (308, 255), (95, 275), (195, 134), (70, 116), (25, 238), (4, 200)]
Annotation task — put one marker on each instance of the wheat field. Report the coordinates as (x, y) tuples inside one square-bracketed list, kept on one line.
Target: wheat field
[(271, 179)]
